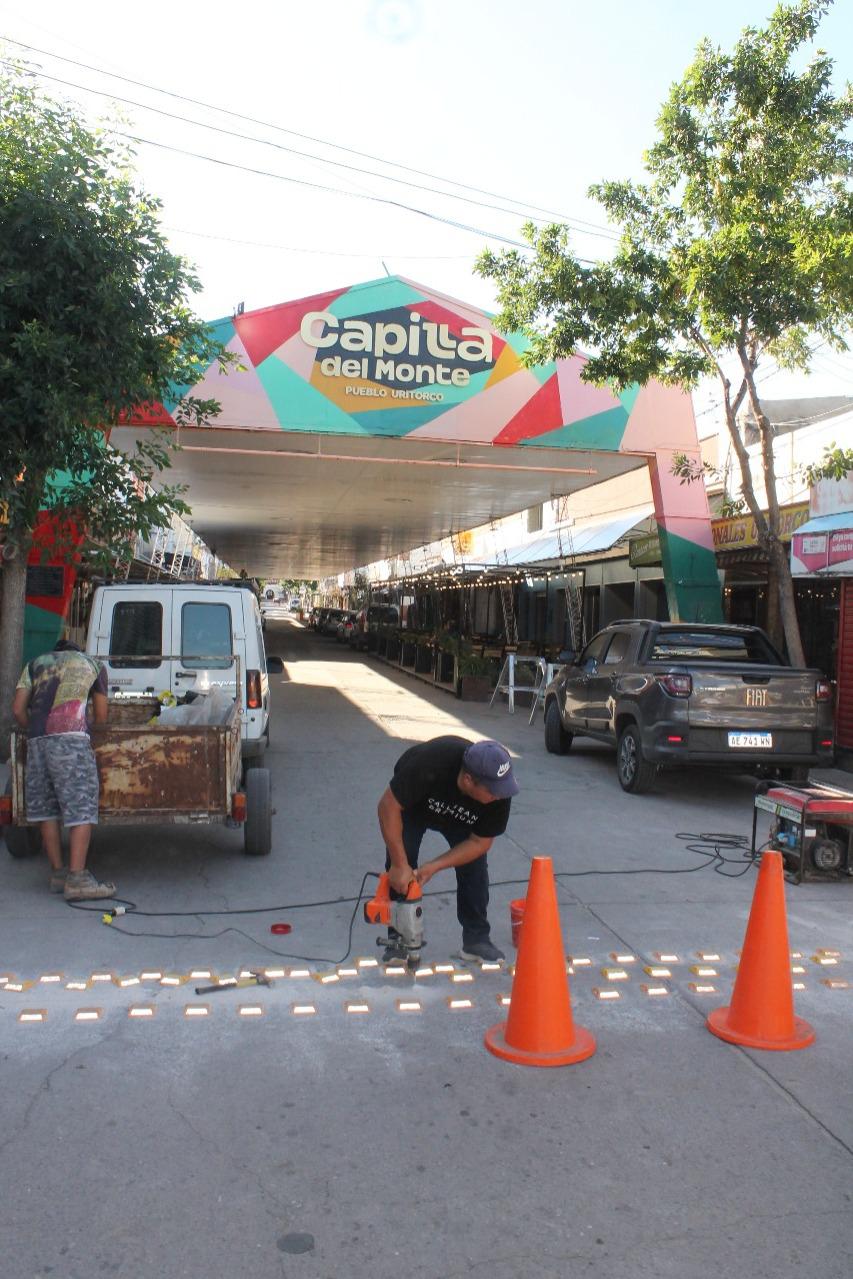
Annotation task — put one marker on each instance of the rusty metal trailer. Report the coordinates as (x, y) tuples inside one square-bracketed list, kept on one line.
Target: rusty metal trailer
[(152, 773)]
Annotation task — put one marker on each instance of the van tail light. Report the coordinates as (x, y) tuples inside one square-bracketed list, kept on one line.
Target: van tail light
[(5, 810), (823, 691), (238, 806), (253, 690), (676, 685)]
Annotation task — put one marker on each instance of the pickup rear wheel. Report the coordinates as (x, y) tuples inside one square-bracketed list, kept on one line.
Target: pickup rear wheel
[(257, 832), (798, 774), (557, 740), (635, 773)]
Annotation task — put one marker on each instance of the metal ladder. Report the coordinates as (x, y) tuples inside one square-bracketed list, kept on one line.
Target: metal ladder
[(182, 541), (155, 564), (507, 593), (573, 590)]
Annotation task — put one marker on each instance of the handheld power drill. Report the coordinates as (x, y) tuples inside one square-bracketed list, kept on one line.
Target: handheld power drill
[(402, 912)]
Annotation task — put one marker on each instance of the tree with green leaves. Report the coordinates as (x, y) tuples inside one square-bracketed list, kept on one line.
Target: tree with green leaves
[(736, 249), (94, 323)]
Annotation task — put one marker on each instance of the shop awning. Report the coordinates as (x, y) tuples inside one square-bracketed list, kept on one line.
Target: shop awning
[(824, 546), (584, 537)]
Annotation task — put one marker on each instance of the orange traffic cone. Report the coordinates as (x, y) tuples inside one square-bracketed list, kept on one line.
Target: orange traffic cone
[(761, 1014), (539, 1030)]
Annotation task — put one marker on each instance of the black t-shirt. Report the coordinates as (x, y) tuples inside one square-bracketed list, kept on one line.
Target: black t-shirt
[(424, 784)]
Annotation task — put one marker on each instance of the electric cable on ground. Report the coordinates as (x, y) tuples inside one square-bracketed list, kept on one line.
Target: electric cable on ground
[(708, 845)]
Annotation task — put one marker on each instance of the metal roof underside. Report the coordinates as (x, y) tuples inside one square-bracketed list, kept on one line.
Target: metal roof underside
[(584, 537), (297, 504)]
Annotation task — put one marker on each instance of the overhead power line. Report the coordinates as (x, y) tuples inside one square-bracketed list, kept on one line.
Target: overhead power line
[(318, 186), (326, 253), (531, 211)]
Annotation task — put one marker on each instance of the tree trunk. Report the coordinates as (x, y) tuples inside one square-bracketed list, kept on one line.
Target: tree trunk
[(13, 584), (787, 604), (777, 553), (774, 612)]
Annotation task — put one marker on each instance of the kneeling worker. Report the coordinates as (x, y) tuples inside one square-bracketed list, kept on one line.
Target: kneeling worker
[(463, 790)]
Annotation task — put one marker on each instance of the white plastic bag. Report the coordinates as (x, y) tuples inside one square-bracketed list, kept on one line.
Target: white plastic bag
[(217, 705), (188, 713)]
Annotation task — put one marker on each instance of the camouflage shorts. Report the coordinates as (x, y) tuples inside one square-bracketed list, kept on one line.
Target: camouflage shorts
[(62, 780)]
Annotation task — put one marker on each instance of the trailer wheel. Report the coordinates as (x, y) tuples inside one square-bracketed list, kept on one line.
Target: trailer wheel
[(21, 841), (257, 832)]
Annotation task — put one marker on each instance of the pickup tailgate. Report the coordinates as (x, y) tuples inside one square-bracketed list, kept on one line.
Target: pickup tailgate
[(753, 699)]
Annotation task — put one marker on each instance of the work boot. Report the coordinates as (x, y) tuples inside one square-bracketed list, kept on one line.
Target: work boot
[(81, 886), (483, 951), (58, 878)]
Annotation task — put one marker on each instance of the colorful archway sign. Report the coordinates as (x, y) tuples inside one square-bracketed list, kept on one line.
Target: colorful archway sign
[(392, 358)]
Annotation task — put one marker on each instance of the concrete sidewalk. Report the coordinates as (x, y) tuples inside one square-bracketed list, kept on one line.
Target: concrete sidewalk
[(377, 1143)]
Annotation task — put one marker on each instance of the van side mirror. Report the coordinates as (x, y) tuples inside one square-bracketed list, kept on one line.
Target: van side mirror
[(275, 666), (568, 657)]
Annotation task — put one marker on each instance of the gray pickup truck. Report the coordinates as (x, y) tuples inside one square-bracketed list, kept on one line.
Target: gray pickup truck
[(670, 693)]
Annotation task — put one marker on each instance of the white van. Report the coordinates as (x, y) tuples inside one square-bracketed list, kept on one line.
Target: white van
[(177, 637)]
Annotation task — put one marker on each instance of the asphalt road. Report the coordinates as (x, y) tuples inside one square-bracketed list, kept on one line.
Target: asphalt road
[(379, 1144)]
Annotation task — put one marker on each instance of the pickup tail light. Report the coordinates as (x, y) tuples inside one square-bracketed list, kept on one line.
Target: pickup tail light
[(676, 685), (253, 690), (823, 691)]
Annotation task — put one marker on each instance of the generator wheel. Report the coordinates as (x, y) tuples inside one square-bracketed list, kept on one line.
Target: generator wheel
[(257, 832), (635, 773), (557, 740)]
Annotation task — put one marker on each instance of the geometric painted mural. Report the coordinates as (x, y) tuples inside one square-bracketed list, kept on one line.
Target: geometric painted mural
[(394, 358)]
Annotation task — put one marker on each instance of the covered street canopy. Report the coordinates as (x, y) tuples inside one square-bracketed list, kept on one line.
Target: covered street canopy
[(368, 420)]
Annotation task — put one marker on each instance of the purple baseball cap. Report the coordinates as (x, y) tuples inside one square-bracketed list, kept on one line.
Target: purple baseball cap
[(489, 763)]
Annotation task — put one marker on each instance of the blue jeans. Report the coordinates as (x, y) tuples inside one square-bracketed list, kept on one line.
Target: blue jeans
[(472, 880)]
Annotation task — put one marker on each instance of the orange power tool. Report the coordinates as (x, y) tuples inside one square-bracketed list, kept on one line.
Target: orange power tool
[(403, 914)]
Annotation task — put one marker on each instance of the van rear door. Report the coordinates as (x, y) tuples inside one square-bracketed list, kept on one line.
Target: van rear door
[(132, 631), (207, 628)]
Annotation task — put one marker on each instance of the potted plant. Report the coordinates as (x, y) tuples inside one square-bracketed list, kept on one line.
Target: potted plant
[(476, 677)]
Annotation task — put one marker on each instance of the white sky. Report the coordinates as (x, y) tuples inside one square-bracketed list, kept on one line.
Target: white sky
[(533, 102)]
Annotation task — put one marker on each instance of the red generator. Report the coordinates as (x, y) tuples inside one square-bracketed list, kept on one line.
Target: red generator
[(811, 826)]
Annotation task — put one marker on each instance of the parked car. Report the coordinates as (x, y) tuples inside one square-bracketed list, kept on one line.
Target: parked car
[(667, 693), (172, 638), (379, 615), (357, 637), (329, 624), (318, 618), (344, 626)]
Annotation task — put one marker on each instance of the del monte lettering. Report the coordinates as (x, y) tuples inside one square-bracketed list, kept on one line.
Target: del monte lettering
[(431, 354)]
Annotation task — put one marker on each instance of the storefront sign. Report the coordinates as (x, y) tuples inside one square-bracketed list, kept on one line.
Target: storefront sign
[(826, 553), (643, 551), (397, 352), (735, 534)]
